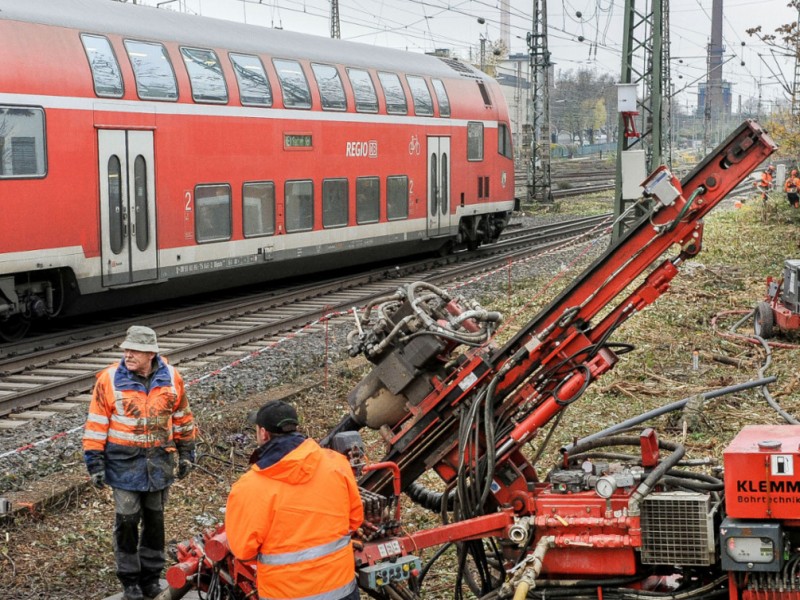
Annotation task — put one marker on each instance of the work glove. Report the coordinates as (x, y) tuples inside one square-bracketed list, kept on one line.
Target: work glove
[(99, 479), (185, 461), (184, 466), (96, 465)]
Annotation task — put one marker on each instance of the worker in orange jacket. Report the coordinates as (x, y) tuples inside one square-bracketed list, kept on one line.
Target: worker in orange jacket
[(766, 183), (293, 512), (792, 189), (139, 420)]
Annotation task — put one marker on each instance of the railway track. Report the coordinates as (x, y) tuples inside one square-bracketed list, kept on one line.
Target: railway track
[(50, 378), (575, 178)]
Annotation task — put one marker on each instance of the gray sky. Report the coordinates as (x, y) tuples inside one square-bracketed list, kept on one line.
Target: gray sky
[(423, 25)]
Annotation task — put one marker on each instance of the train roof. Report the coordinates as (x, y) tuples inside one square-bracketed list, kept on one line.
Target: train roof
[(148, 23)]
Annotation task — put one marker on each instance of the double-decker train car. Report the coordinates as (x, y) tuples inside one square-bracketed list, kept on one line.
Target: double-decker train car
[(146, 154)]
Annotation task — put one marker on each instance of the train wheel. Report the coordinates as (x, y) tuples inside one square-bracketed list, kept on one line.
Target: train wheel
[(764, 320), (14, 328)]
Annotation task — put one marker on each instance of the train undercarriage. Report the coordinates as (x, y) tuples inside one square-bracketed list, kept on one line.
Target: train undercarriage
[(28, 297), (481, 229)]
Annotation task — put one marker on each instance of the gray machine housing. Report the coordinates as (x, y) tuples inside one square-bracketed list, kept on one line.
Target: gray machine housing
[(791, 280)]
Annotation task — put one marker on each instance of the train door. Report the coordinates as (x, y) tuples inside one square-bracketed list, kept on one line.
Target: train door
[(438, 186), (127, 207)]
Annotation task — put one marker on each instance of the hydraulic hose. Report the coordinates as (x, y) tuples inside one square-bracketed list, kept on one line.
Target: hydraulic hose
[(587, 444), (697, 486), (427, 498), (731, 389), (701, 477), (765, 392), (655, 475), (767, 361)]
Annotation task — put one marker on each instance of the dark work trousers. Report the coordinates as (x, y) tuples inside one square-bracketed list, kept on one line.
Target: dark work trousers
[(354, 595), (140, 558)]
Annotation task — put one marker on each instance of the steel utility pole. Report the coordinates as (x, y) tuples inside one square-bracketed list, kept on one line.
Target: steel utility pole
[(505, 25), (539, 183), (713, 104), (336, 30), (796, 81), (644, 50)]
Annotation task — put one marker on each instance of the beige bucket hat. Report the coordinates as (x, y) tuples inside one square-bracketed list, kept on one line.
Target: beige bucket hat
[(140, 338)]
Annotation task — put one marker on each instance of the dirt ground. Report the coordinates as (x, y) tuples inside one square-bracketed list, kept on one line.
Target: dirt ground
[(683, 347)]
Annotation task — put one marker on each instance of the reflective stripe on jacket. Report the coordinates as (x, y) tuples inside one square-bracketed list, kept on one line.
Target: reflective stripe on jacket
[(295, 518), (136, 432)]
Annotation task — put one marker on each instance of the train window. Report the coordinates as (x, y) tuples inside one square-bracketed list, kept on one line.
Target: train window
[(22, 142), (331, 90), (293, 83), (253, 83), (434, 184), (484, 93), (155, 79), (363, 90), (368, 200), (115, 217), (299, 206), (334, 203), (504, 140), (394, 94), (258, 214), (212, 204), (103, 63), (441, 97), (420, 95), (141, 217), (397, 197), (205, 75), (444, 191), (474, 140)]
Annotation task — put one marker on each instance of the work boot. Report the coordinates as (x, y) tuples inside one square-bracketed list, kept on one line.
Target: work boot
[(152, 590), (132, 592)]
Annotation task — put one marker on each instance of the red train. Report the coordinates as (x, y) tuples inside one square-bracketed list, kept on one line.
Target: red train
[(146, 154)]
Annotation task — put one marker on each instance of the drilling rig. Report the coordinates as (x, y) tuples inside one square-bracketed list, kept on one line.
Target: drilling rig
[(602, 524)]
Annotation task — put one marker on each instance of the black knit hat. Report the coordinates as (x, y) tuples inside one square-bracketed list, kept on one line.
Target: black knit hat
[(276, 416)]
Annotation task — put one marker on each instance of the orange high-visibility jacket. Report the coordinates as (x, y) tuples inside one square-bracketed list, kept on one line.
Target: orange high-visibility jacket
[(792, 185), (125, 424), (295, 518), (766, 181)]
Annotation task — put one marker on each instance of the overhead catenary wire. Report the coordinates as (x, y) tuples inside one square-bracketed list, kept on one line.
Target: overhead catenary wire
[(419, 33)]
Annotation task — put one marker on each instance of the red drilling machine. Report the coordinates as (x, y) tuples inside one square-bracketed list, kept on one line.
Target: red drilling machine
[(621, 516), (779, 312)]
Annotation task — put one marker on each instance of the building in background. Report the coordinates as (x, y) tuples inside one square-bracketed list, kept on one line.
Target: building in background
[(702, 95)]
